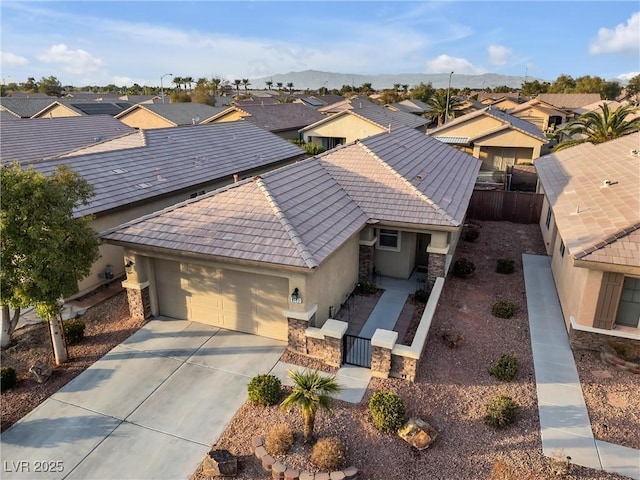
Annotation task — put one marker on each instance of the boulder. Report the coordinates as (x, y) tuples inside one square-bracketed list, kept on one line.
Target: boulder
[(220, 463), (418, 433), (41, 371)]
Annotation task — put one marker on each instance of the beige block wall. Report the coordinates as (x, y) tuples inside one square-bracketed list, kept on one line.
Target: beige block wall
[(331, 283), (345, 126), (578, 288), (144, 119), (398, 264)]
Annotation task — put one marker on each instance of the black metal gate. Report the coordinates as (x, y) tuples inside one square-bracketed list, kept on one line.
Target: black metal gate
[(356, 351)]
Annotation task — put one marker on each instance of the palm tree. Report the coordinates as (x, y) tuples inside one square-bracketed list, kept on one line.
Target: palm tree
[(279, 85), (187, 80), (245, 83), (600, 126), (237, 83), (396, 87), (311, 391), (269, 84), (178, 82), (290, 87), (438, 104), (215, 85)]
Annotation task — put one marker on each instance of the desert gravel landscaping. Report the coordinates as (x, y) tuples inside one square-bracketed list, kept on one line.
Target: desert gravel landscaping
[(452, 388)]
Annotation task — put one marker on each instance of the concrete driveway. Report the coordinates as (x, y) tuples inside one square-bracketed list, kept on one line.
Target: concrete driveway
[(149, 409)]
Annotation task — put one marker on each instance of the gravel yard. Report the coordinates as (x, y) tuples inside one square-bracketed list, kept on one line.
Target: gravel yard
[(451, 391)]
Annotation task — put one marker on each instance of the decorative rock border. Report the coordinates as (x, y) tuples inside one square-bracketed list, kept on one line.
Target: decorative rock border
[(279, 471), (610, 357)]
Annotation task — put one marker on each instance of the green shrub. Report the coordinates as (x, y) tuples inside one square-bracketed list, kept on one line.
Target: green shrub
[(501, 411), (8, 378), (73, 330), (366, 287), (388, 411), (463, 267), (328, 453), (421, 296), (279, 439), (471, 234), (505, 266), (505, 368), (503, 309), (264, 389)]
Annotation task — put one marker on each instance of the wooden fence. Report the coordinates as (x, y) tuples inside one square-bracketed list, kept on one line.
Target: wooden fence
[(500, 205)]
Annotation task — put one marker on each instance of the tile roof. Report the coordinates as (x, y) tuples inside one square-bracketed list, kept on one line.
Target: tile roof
[(540, 105), (378, 115), (347, 104), (177, 113), (597, 222), (278, 117), (412, 106), (24, 107), (174, 159), (29, 140), (508, 120), (569, 100), (299, 214), (497, 96)]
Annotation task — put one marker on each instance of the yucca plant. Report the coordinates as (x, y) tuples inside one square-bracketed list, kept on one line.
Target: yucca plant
[(311, 391)]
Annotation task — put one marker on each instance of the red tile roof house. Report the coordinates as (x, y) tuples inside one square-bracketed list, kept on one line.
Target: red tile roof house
[(284, 249), (149, 170), (590, 223)]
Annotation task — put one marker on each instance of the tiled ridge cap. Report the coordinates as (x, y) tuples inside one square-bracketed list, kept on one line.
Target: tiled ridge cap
[(412, 187), (306, 255), (608, 241)]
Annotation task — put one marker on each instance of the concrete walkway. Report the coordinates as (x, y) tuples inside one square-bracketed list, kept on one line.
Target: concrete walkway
[(149, 409), (564, 420)]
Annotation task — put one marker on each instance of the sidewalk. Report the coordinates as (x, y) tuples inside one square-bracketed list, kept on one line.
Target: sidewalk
[(565, 427)]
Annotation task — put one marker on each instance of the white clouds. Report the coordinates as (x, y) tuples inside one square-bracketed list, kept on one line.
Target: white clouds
[(499, 54), (76, 62), (627, 76), (8, 59), (622, 38), (446, 64)]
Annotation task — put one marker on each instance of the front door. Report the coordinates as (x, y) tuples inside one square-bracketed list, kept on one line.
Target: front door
[(422, 257)]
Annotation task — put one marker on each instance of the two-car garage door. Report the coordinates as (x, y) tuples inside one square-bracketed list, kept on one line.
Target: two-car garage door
[(230, 299)]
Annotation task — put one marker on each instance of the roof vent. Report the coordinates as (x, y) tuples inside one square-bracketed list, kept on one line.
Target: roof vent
[(634, 152), (608, 183), (119, 171), (144, 185)]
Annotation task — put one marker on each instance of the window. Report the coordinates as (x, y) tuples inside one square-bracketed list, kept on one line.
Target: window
[(548, 222), (561, 248), (389, 239), (195, 194), (629, 307)]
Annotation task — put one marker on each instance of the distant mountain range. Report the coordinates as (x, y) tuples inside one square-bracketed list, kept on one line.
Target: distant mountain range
[(314, 80)]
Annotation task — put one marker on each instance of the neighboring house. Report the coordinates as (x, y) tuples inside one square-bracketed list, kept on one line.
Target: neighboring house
[(612, 105), (294, 242), (24, 107), (411, 105), (318, 101), (347, 104), (543, 115), (163, 115), (569, 101), (503, 103), (591, 228), (31, 140), (283, 119), (358, 123), (488, 98), (76, 108), (169, 165), (497, 138)]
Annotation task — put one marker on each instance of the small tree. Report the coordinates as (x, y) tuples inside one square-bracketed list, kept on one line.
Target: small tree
[(44, 249), (311, 391)]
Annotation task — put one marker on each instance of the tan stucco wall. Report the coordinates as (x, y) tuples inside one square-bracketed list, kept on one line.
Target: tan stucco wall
[(58, 111), (578, 288), (333, 280), (229, 117), (548, 234), (398, 264), (144, 119), (471, 128), (345, 126)]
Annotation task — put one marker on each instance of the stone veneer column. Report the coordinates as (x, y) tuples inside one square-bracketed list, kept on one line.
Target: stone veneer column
[(333, 331), (365, 269), (382, 343), (297, 323), (139, 299), (435, 268)]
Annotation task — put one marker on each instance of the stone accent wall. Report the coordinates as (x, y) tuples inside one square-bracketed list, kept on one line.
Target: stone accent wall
[(609, 356), (333, 351), (403, 367), (596, 341), (139, 303), (315, 348), (435, 269), (297, 340), (365, 262), (380, 362)]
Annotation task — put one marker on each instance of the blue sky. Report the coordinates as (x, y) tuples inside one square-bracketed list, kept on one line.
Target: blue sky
[(93, 42)]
